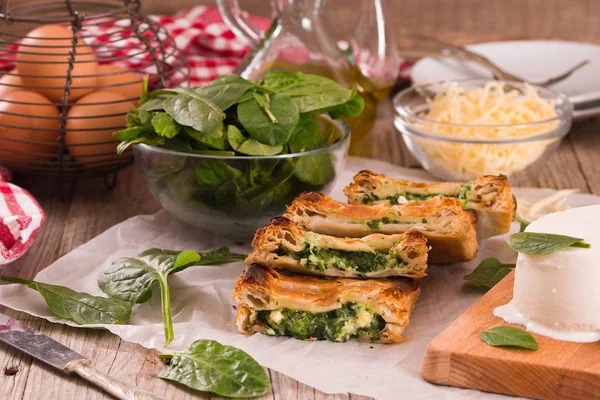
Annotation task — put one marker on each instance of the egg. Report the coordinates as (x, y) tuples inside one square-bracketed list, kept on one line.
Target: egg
[(120, 80), (44, 55), (89, 124), (38, 120), (8, 83)]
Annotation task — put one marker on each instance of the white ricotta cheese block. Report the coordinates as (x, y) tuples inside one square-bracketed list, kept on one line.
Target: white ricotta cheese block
[(558, 294)]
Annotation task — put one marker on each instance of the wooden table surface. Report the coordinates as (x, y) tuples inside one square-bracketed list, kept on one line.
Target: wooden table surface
[(93, 209)]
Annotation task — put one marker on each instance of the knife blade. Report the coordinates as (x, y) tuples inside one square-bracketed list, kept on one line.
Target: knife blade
[(44, 348)]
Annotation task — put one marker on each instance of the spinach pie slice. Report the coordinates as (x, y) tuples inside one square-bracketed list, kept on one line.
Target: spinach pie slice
[(489, 196), (284, 245), (312, 308), (449, 230)]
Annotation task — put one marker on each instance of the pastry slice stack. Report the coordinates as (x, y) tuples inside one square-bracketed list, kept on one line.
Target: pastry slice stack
[(328, 270)]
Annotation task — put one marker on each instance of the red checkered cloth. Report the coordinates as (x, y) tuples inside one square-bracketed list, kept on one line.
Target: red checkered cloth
[(21, 218)]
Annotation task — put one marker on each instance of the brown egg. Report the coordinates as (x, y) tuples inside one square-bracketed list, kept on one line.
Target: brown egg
[(44, 54), (96, 123), (35, 122), (10, 79), (116, 79)]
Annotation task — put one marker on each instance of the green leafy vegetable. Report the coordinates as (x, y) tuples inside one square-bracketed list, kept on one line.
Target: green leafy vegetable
[(81, 308), (509, 336), (164, 125), (259, 123), (131, 279), (215, 172), (248, 146), (311, 92), (524, 223), (234, 117), (488, 273), (209, 366), (199, 113), (543, 243), (316, 169)]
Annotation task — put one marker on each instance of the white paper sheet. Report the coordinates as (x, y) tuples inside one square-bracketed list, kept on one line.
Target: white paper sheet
[(202, 305)]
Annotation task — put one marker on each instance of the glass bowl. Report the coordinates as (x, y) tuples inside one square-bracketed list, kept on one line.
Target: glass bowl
[(518, 151), (233, 196)]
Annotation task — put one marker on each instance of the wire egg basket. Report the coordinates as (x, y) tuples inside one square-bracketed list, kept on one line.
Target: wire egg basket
[(60, 124)]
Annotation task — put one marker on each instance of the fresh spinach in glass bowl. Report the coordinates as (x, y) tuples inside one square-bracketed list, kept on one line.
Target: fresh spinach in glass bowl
[(230, 155)]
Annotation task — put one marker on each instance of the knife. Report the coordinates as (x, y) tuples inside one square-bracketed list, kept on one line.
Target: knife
[(48, 350)]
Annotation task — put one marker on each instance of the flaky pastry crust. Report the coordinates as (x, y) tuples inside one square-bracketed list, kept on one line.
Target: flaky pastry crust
[(272, 245), (262, 288), (450, 230), (489, 195)]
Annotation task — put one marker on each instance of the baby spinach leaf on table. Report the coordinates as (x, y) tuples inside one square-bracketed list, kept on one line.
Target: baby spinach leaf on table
[(209, 366), (259, 125), (164, 125), (306, 136), (315, 169), (543, 243), (215, 172), (81, 308), (509, 336), (219, 143), (248, 146), (131, 279), (197, 112), (309, 92), (488, 273)]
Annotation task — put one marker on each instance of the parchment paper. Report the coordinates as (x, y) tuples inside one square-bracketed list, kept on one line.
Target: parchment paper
[(202, 305)]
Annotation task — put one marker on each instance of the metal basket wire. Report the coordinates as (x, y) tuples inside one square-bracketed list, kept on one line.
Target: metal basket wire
[(118, 34)]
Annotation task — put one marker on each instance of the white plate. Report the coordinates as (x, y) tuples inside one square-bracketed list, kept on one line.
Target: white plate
[(533, 60)]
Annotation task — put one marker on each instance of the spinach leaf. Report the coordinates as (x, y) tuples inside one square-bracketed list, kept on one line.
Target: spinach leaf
[(260, 171), (248, 146), (209, 366), (225, 91), (164, 125), (219, 143), (131, 279), (154, 104), (215, 172), (509, 336), (275, 190), (488, 273), (146, 137), (306, 136), (129, 133), (145, 117), (263, 102), (309, 92), (543, 243), (352, 108), (186, 144), (199, 113), (315, 169), (261, 127), (81, 308)]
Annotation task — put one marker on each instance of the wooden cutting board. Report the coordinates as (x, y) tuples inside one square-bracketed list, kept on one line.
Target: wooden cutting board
[(557, 370)]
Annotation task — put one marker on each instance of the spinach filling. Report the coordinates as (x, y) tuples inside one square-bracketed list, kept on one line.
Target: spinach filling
[(319, 259), (462, 196), (350, 321)]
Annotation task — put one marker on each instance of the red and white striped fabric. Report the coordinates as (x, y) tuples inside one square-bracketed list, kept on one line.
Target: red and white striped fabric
[(21, 218)]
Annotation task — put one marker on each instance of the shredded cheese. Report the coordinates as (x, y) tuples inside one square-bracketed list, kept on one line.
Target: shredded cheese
[(495, 105)]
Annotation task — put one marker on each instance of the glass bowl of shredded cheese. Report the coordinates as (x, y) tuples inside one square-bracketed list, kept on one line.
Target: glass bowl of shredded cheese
[(459, 130)]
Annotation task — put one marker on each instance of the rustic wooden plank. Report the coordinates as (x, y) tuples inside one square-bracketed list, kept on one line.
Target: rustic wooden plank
[(458, 357), (585, 140)]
